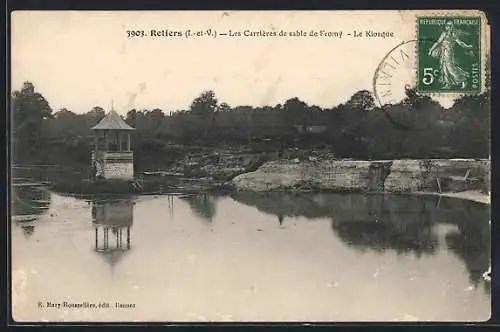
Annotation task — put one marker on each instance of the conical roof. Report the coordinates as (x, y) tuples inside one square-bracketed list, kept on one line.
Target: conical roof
[(112, 121)]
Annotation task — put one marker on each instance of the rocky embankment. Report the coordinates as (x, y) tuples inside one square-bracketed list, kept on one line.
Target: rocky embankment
[(430, 175), (217, 164), (289, 170)]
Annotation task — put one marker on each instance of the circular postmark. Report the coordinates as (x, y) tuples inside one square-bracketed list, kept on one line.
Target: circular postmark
[(395, 74)]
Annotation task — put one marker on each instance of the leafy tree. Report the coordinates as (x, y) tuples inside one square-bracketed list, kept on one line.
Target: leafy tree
[(29, 110), (361, 100), (131, 117), (204, 108), (156, 115), (97, 111), (417, 127), (29, 107), (417, 101), (472, 130), (224, 107), (205, 104), (296, 112)]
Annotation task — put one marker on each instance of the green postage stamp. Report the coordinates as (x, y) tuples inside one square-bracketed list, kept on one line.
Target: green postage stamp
[(449, 54)]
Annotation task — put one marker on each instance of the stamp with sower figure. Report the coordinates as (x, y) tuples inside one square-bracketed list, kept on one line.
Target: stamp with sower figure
[(449, 54)]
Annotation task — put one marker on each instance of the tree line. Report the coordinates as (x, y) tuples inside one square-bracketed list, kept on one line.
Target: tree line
[(416, 127)]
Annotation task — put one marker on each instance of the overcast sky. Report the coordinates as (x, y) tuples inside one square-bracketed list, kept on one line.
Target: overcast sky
[(79, 60)]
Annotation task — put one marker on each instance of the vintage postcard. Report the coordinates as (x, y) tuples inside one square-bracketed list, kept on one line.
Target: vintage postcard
[(250, 166)]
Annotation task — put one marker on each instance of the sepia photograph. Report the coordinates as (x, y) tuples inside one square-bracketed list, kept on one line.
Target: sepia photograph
[(250, 166)]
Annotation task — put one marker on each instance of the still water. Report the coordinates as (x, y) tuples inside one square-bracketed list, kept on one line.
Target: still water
[(249, 257)]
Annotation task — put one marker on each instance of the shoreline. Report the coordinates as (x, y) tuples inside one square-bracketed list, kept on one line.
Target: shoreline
[(416, 177), (469, 195)]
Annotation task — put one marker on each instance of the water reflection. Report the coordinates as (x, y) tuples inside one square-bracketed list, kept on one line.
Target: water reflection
[(298, 259), (29, 200), (203, 205), (281, 218), (404, 224), (470, 242), (27, 205), (115, 216)]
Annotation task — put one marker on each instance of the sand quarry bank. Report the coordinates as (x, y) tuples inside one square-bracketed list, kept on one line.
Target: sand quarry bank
[(392, 176)]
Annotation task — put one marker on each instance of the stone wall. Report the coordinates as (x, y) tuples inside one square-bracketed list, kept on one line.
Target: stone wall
[(118, 170), (113, 213), (357, 175)]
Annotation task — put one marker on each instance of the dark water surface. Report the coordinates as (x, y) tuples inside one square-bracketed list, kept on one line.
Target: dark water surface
[(249, 257)]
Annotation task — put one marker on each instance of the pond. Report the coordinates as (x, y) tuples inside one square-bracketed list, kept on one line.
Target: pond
[(249, 257)]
